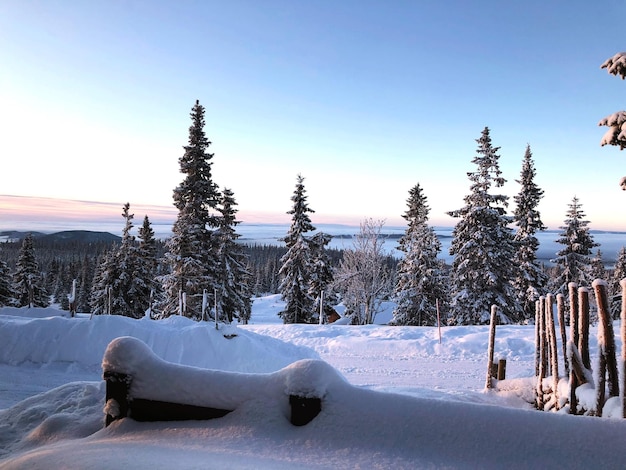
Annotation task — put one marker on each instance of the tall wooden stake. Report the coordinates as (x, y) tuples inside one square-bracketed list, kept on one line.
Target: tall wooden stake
[(492, 340)]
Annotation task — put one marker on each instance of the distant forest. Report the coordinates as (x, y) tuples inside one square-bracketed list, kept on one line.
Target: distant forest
[(65, 256)]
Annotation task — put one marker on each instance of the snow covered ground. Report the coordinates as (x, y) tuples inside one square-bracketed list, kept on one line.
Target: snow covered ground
[(394, 397)]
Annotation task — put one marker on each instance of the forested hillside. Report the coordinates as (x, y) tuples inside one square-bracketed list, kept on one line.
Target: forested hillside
[(65, 256)]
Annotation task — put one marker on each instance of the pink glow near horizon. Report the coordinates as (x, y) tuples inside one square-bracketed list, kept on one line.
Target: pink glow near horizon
[(50, 214)]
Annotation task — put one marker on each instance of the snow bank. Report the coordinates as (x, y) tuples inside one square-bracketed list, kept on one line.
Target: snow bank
[(26, 338)]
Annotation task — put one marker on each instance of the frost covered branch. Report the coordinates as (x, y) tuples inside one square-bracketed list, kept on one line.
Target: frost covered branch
[(616, 65)]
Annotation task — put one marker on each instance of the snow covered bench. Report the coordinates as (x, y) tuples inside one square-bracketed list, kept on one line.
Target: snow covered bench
[(144, 387)]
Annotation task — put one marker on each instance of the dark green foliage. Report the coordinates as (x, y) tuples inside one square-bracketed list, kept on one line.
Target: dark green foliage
[(192, 249), (297, 264), (421, 283), (27, 280), (7, 296), (531, 280), (233, 292), (483, 248), (574, 260)]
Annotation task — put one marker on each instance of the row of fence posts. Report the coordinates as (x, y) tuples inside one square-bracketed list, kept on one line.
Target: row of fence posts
[(576, 358)]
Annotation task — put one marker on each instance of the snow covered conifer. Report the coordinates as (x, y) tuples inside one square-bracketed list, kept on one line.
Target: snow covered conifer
[(619, 272), (297, 264), (322, 274), (615, 289), (145, 281), (421, 280), (531, 280), (6, 289), (596, 267), (483, 248), (234, 296), (574, 260), (192, 249), (27, 282)]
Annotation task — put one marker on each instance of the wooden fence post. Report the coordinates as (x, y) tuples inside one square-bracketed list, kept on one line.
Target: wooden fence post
[(492, 340), (541, 347), (560, 307), (583, 326), (554, 356), (607, 364), (622, 284), (573, 312)]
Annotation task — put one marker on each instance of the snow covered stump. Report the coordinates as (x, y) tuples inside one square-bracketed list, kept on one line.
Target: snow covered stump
[(144, 387)]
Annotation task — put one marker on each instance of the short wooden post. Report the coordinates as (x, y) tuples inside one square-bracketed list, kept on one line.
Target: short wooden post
[(304, 409), (117, 386), (502, 369)]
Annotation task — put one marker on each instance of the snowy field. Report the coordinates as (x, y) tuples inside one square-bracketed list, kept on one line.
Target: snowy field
[(392, 397)]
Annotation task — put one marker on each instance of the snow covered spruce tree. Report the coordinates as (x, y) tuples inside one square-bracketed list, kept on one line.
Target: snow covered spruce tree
[(7, 297), (146, 285), (124, 278), (615, 289), (573, 262), (28, 285), (483, 248), (531, 280), (421, 282), (363, 279), (297, 264), (322, 276), (233, 291), (192, 249)]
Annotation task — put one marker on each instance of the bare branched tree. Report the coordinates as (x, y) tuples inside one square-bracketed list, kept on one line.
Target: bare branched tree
[(363, 278)]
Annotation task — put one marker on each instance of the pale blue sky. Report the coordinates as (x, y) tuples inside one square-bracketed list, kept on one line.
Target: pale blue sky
[(363, 98)]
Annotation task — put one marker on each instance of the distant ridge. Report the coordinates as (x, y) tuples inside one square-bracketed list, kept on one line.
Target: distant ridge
[(85, 236), (67, 236)]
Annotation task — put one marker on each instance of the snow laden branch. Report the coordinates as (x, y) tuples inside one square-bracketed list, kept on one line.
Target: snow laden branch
[(616, 134), (616, 65)]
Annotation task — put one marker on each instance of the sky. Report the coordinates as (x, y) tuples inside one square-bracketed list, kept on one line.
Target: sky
[(365, 99)]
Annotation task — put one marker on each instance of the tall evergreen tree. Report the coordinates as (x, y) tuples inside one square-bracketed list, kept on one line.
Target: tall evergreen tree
[(482, 246), (117, 288), (104, 276), (6, 288), (615, 288), (531, 280), (233, 295), (85, 283), (322, 275), (27, 281), (124, 287), (192, 248), (574, 260), (420, 283), (296, 265), (145, 281)]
